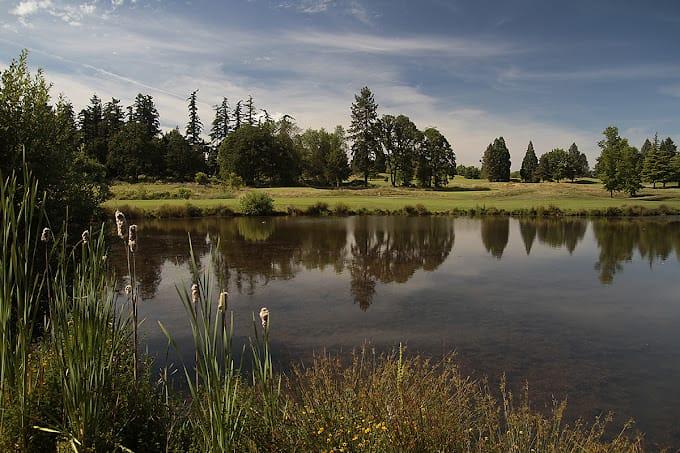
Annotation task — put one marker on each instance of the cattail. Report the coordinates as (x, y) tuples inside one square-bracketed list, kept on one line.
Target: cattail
[(85, 236), (132, 238), (46, 235), (121, 224), (194, 293), (264, 317), (222, 304), (128, 289)]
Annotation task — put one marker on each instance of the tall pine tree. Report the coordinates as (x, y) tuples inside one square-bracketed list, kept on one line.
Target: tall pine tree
[(364, 131), (194, 126), (529, 165)]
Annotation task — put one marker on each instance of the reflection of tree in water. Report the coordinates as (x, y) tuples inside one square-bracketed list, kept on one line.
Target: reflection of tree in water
[(159, 242), (495, 234), (527, 229), (388, 249), (561, 232), (618, 239), (253, 252)]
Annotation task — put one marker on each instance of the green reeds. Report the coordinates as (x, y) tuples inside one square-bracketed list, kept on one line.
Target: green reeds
[(217, 408), (21, 281), (90, 338)]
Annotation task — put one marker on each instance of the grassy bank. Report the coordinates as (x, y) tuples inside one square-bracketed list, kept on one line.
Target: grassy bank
[(460, 197)]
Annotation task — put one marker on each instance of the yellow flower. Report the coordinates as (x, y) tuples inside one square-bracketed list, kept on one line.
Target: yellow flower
[(320, 430), (355, 437), (367, 430)]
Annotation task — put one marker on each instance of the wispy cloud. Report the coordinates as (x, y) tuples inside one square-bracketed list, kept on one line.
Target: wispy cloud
[(627, 72), (401, 45)]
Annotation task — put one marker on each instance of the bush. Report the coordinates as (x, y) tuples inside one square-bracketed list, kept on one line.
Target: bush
[(201, 178), (341, 209), (257, 203), (318, 208), (183, 193)]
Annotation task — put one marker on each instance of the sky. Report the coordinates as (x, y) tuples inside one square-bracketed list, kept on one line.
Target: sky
[(554, 72)]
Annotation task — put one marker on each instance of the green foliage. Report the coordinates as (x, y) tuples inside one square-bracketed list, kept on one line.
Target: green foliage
[(201, 178), (365, 133), (194, 126), (324, 156), (256, 203), (529, 165), (260, 155), (182, 160), (496, 161), (436, 160), (553, 165), (619, 165), (401, 141), (132, 153), (45, 138), (469, 171), (576, 164)]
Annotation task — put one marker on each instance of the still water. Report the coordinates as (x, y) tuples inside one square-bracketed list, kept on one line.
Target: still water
[(584, 310)]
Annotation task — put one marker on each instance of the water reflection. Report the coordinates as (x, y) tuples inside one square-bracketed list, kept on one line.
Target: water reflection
[(373, 250)]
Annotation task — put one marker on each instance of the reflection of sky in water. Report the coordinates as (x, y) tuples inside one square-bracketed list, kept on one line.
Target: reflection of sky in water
[(605, 335)]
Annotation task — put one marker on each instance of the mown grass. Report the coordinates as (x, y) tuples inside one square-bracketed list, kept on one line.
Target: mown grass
[(461, 196)]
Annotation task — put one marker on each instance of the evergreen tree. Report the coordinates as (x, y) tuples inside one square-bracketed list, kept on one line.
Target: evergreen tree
[(667, 150), (145, 113), (529, 165), (337, 166), (92, 129), (66, 124), (675, 168), (221, 123), (364, 132), (646, 147), (576, 164), (250, 111), (238, 115), (182, 159), (194, 126), (496, 161), (113, 117), (653, 169), (607, 168)]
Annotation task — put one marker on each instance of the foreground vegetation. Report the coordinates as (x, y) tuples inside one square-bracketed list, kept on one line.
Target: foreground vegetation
[(77, 383), (461, 196)]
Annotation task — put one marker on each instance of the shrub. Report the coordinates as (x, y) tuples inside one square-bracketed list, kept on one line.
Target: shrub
[(183, 193), (318, 208), (341, 209), (257, 203), (201, 178)]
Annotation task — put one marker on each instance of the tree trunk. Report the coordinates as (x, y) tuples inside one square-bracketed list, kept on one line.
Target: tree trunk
[(611, 194)]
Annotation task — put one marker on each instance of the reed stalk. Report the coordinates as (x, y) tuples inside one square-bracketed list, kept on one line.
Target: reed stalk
[(21, 284)]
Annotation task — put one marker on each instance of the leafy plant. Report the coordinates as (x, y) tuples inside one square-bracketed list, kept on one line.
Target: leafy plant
[(257, 204)]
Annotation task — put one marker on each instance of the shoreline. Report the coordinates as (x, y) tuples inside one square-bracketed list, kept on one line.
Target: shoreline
[(323, 209)]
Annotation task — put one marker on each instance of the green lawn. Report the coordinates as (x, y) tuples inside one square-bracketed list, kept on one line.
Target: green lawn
[(460, 194)]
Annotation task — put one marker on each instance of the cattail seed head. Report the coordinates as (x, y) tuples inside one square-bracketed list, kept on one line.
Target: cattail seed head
[(121, 224), (222, 304), (46, 235), (132, 238), (194, 293), (85, 236), (128, 289), (264, 317)]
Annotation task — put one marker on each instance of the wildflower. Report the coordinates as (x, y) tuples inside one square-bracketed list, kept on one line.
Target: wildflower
[(121, 224), (104, 258), (46, 235), (264, 317), (85, 236), (132, 238), (222, 304), (194, 293), (321, 429), (128, 289)]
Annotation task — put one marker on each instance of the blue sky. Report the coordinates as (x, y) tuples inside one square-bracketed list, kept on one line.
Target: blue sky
[(552, 72)]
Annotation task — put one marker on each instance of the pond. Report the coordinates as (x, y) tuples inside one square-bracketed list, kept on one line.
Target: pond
[(579, 309)]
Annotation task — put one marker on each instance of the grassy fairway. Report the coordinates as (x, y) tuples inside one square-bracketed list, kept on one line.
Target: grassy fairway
[(462, 194)]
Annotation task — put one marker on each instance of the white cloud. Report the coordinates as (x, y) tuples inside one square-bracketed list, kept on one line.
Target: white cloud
[(28, 7), (399, 45)]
